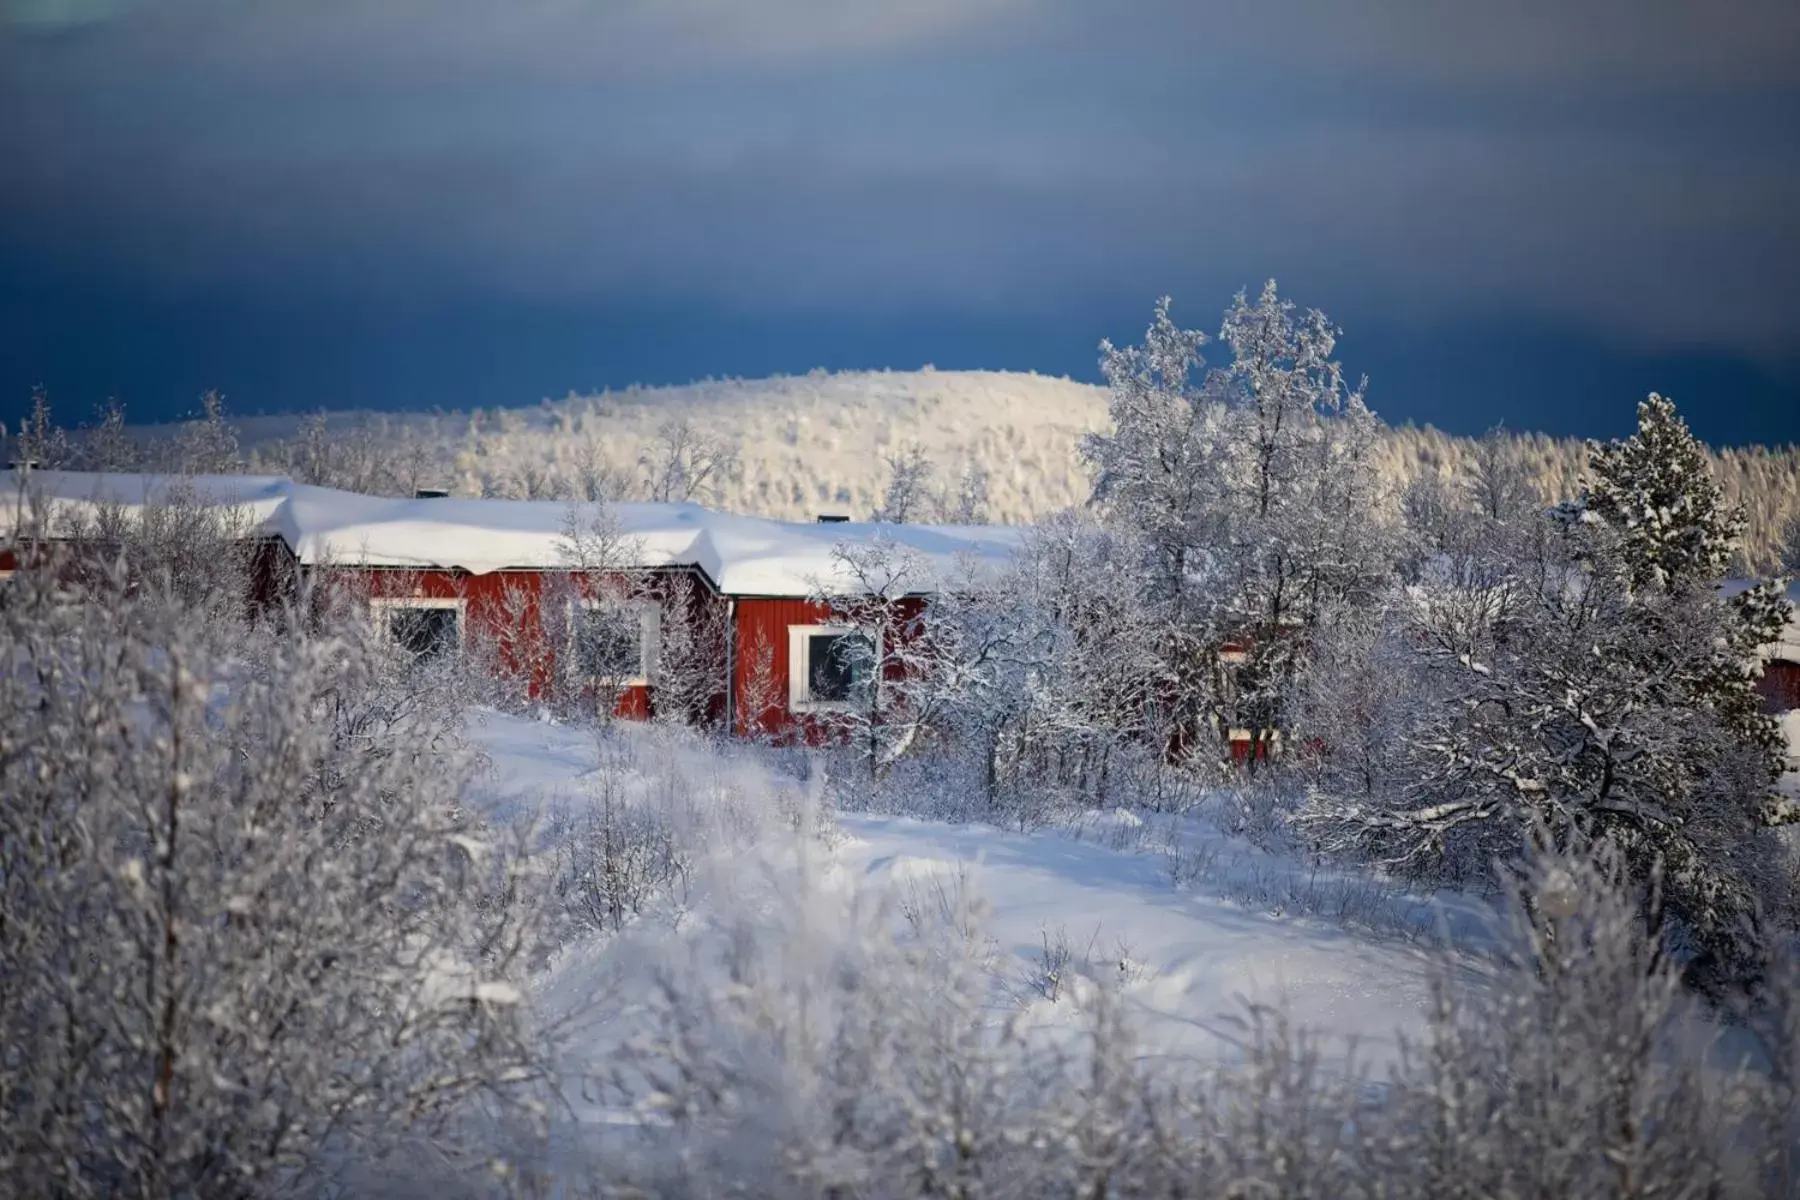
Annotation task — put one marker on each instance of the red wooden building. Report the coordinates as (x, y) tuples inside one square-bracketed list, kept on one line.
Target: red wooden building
[(563, 599)]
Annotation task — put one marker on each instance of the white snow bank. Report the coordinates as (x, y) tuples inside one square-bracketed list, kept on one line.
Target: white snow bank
[(743, 556)]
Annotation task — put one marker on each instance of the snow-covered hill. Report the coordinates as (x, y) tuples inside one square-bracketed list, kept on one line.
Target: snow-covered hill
[(819, 442), (805, 444)]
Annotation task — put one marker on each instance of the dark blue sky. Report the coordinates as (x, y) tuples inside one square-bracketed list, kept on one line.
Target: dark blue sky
[(1532, 214)]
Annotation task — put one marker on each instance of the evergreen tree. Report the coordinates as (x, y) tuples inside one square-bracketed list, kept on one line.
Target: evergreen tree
[(1657, 490), (1676, 535)]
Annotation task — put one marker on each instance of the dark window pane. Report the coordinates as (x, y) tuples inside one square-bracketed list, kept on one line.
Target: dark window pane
[(835, 662), (609, 643), (424, 633)]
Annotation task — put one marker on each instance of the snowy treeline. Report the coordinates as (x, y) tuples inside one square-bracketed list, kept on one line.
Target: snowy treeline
[(1001, 444)]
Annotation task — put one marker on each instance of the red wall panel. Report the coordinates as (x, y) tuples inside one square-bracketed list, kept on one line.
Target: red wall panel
[(761, 672), (760, 669), (1780, 686), (504, 620)]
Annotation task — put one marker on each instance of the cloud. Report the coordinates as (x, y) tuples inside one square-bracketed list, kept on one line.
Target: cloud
[(566, 38), (1624, 167)]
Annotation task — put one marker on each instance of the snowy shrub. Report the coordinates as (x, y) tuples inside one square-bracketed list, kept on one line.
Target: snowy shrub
[(249, 942), (1580, 1069), (657, 805), (814, 1040), (1048, 972), (612, 858)]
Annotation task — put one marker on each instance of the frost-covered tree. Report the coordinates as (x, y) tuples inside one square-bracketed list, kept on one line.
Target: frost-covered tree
[(355, 459), (1159, 471), (1162, 474), (1352, 706), (688, 676), (1788, 551), (108, 445), (686, 464), (907, 495), (970, 504), (40, 441), (1309, 534), (597, 478), (1676, 534), (1042, 675), (1499, 483), (1434, 514), (208, 444), (874, 594), (1549, 691), (1256, 486), (1656, 488), (593, 614)]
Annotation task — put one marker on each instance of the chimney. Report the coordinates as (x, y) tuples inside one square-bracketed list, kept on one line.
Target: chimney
[(430, 493), (833, 519)]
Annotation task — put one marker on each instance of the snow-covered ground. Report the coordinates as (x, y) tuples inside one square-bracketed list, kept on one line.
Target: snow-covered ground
[(1186, 962), (1189, 963), (818, 991), (1188, 957)]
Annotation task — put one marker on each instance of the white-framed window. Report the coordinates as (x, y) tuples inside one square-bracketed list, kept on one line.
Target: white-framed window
[(430, 629), (615, 643), (826, 665)]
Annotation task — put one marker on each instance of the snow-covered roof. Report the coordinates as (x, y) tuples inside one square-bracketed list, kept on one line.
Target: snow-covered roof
[(743, 556)]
